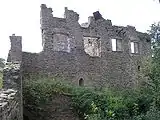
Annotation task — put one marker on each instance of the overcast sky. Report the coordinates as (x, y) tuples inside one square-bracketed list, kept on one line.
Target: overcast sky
[(22, 17)]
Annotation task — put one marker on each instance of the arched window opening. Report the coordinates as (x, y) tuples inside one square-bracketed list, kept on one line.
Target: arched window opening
[(81, 82)]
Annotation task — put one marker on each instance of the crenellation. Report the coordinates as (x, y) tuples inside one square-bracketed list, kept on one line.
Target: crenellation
[(70, 15)]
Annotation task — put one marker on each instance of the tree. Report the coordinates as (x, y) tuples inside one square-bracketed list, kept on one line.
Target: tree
[(154, 75), (2, 63), (155, 35)]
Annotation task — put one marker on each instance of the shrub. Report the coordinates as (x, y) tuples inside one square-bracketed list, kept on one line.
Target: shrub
[(88, 103), (36, 94), (152, 114), (1, 80)]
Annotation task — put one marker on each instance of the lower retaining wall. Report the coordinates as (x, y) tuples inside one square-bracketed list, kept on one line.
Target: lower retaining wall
[(9, 105), (11, 94)]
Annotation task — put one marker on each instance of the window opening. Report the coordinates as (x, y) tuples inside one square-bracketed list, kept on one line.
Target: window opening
[(116, 45), (134, 47), (92, 46), (139, 68), (81, 82), (89, 41)]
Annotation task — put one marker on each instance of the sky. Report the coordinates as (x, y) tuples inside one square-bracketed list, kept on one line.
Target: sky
[(22, 17)]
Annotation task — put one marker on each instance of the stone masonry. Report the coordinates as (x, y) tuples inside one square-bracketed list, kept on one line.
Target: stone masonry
[(11, 94), (95, 53)]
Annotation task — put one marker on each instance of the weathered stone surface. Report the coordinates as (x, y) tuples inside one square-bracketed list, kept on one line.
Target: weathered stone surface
[(15, 53), (11, 94), (9, 105)]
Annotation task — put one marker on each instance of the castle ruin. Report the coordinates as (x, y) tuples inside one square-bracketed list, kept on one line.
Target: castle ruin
[(95, 53)]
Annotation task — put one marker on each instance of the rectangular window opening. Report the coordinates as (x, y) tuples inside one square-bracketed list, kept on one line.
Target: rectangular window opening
[(92, 46), (116, 45), (134, 47), (113, 44)]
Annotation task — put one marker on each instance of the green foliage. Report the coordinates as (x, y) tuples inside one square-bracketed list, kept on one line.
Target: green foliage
[(88, 103), (2, 63), (37, 93), (41, 91), (152, 114), (1, 76), (153, 83)]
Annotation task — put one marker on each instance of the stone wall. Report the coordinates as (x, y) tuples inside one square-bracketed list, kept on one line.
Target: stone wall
[(75, 51), (15, 53), (11, 107), (60, 64), (55, 30)]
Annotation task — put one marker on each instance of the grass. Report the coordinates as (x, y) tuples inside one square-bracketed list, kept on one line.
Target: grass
[(1, 75)]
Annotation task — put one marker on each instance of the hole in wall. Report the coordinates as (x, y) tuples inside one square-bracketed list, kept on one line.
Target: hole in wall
[(139, 68), (42, 31), (148, 40), (81, 82), (25, 117)]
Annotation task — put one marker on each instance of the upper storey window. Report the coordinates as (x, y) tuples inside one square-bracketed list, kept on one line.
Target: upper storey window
[(134, 47), (116, 45), (61, 42), (92, 46)]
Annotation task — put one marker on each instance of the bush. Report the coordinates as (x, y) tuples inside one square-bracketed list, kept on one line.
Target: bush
[(41, 91), (36, 94), (152, 114), (1, 80), (88, 103)]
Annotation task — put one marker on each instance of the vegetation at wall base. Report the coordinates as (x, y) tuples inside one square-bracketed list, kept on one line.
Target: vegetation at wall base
[(1, 76), (88, 103), (2, 64)]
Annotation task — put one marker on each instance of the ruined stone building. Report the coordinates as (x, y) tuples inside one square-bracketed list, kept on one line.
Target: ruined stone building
[(95, 53)]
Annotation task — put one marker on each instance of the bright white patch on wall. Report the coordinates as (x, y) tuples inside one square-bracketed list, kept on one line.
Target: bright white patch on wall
[(92, 46), (116, 45), (134, 47)]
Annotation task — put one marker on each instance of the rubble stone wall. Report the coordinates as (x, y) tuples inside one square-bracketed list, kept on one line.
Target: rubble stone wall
[(85, 52), (11, 107)]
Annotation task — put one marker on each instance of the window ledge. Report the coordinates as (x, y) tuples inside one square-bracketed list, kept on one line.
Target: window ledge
[(118, 51), (135, 54)]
